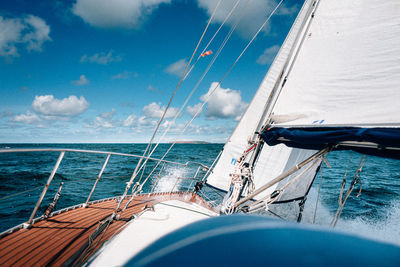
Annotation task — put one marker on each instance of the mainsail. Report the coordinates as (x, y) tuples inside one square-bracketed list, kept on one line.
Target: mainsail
[(343, 89), (272, 160)]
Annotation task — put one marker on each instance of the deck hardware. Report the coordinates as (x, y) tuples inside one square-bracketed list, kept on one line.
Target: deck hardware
[(53, 204), (28, 224)]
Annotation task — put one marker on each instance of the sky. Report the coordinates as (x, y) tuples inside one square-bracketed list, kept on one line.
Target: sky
[(100, 71)]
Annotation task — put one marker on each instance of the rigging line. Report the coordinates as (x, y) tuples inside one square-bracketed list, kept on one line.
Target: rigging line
[(65, 182), (166, 108), (215, 34), (356, 179), (223, 78), (202, 77), (231, 67), (211, 167), (271, 199), (287, 69), (21, 193), (319, 189), (196, 87), (181, 80)]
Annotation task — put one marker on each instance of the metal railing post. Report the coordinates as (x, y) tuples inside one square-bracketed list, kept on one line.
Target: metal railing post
[(28, 224), (98, 178)]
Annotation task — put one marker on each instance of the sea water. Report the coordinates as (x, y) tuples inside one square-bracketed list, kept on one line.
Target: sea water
[(374, 214)]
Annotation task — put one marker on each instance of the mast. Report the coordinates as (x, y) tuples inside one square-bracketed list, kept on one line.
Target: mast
[(244, 134), (247, 163)]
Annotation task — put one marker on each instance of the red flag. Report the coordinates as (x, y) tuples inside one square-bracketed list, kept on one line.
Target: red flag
[(209, 52)]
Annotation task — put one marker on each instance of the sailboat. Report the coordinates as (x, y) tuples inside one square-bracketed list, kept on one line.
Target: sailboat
[(333, 85)]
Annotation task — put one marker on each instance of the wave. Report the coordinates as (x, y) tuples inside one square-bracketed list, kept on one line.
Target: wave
[(379, 228)]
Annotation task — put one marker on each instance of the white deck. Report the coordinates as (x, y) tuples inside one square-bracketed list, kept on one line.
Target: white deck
[(149, 227)]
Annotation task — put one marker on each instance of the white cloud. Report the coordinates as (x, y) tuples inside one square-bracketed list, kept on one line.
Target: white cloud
[(130, 120), (38, 34), (256, 13), (28, 118), (30, 31), (115, 14), (145, 121), (154, 110), (105, 120), (268, 56), (101, 58), (224, 103), (177, 68), (192, 110), (50, 106), (124, 75), (82, 80)]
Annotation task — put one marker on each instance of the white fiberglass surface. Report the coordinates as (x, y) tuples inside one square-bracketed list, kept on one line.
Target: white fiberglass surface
[(150, 226)]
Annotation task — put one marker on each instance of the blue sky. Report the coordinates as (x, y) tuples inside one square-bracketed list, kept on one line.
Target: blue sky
[(102, 71)]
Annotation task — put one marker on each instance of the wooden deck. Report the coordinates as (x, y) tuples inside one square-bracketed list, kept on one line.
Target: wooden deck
[(62, 238)]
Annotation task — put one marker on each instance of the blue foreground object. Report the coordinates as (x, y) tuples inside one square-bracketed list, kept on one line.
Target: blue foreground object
[(244, 240)]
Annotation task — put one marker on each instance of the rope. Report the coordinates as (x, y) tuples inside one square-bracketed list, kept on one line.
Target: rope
[(226, 74), (215, 34), (166, 109), (67, 182), (356, 179), (216, 55), (267, 200), (319, 189), (218, 84)]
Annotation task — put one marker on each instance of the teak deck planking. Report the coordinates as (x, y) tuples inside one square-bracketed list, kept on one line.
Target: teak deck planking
[(55, 240)]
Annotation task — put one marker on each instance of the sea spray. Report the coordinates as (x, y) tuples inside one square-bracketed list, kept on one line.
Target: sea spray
[(171, 180), (379, 228)]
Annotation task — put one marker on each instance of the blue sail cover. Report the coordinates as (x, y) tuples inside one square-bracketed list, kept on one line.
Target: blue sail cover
[(386, 139)]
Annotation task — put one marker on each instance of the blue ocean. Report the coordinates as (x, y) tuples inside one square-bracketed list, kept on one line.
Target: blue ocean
[(374, 214)]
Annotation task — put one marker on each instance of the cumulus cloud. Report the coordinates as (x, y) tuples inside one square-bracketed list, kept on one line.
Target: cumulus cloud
[(177, 68), (256, 11), (37, 34), (105, 120), (130, 120), (268, 56), (101, 58), (82, 80), (29, 32), (192, 110), (151, 113), (28, 118), (50, 106), (155, 110), (224, 103), (115, 14)]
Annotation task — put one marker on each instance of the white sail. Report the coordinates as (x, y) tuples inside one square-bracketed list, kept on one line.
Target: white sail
[(347, 72), (272, 160)]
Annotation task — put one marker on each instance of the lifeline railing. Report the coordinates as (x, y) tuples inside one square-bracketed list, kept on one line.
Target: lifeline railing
[(201, 167)]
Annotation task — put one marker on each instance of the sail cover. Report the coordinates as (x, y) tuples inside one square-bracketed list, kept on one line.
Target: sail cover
[(273, 160), (345, 82)]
